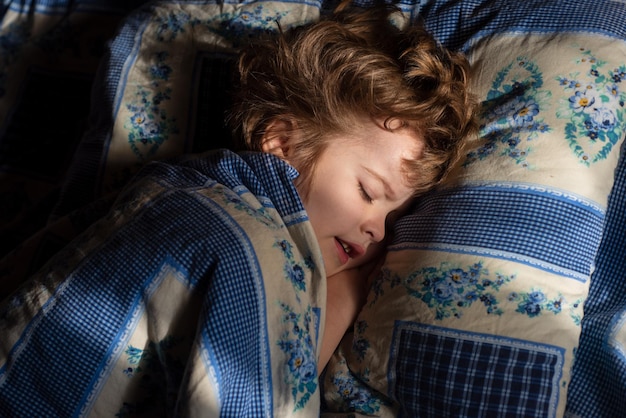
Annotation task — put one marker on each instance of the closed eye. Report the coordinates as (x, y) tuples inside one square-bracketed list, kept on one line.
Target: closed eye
[(364, 194)]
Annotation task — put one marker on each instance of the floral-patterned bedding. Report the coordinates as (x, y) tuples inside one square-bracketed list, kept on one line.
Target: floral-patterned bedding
[(481, 306), (220, 312), (503, 292)]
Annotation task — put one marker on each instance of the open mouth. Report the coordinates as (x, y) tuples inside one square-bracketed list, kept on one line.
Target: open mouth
[(347, 251), (343, 251), (346, 248)]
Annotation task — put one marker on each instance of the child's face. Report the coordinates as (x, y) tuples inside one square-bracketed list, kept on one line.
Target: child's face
[(357, 183)]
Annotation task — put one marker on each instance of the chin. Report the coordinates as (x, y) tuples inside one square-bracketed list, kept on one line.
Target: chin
[(333, 266), (336, 268), (330, 271)]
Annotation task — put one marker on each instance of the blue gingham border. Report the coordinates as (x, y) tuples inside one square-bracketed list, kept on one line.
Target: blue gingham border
[(529, 226), (599, 373), (456, 23)]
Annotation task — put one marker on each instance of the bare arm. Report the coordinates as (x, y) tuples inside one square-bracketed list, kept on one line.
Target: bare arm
[(345, 295)]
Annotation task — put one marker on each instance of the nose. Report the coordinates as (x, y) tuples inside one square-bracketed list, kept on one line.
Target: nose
[(374, 226)]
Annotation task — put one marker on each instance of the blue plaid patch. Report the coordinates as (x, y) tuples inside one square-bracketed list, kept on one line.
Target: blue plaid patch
[(438, 372)]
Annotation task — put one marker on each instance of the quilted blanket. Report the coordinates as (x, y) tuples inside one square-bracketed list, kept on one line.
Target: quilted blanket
[(91, 90), (200, 293)]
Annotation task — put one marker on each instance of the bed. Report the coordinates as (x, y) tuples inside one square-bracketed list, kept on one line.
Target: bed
[(502, 293)]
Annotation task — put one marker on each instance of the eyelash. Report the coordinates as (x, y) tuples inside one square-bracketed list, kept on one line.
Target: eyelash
[(364, 194)]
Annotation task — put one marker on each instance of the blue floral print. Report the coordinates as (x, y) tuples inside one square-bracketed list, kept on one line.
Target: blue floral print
[(134, 357), (149, 365), (247, 22), (298, 345), (594, 108), (517, 101), (236, 26), (149, 124), (449, 289), (171, 25), (360, 345), (160, 70), (354, 393), (261, 214), (535, 302), (385, 278), (532, 303), (297, 342), (512, 113), (294, 271)]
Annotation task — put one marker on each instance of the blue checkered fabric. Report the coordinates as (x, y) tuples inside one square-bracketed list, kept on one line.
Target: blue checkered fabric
[(510, 222), (82, 183), (599, 374), (68, 348), (489, 376), (456, 23)]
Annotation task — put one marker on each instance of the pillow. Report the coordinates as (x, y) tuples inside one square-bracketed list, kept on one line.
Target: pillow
[(478, 306), (163, 88), (49, 54)]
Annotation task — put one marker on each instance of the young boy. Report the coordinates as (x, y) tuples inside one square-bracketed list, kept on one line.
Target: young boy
[(221, 284)]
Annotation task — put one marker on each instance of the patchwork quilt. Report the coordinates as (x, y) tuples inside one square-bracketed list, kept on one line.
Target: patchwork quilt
[(503, 293), (201, 293)]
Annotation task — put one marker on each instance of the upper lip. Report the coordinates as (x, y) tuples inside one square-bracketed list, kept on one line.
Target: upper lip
[(355, 250)]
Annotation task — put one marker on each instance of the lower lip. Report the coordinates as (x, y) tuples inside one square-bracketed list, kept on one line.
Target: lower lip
[(343, 256)]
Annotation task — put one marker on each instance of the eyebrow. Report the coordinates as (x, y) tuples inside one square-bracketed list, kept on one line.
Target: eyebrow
[(391, 195)]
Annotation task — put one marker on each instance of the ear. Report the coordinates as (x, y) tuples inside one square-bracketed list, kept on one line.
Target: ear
[(279, 138)]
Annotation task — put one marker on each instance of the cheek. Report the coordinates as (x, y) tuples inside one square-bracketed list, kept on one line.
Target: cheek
[(329, 210)]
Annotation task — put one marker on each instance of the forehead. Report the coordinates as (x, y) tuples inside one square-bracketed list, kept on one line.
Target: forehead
[(379, 152), (381, 146), (381, 134)]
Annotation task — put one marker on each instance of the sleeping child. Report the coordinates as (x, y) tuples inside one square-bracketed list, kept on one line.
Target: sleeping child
[(220, 284)]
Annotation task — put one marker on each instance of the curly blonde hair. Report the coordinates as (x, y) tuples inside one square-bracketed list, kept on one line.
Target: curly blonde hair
[(353, 64)]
